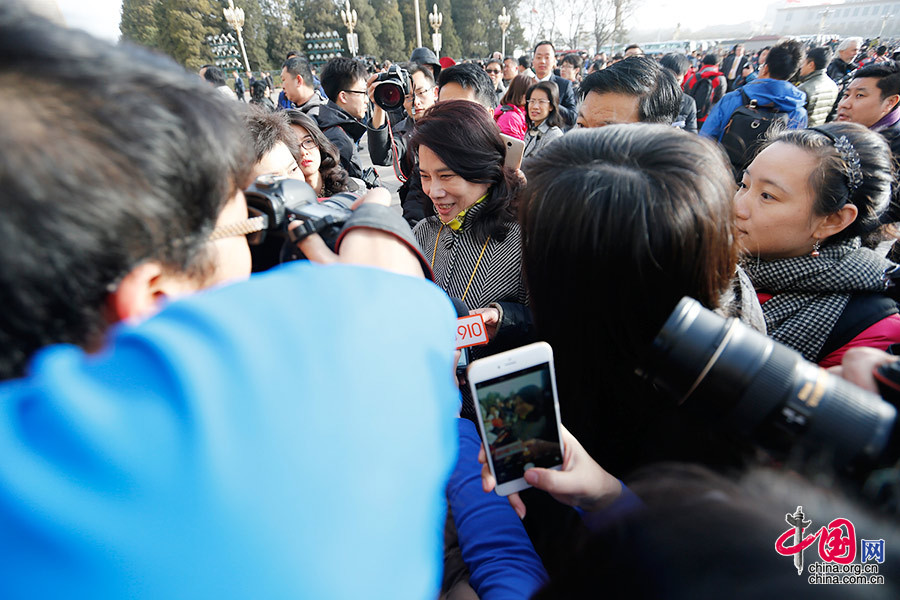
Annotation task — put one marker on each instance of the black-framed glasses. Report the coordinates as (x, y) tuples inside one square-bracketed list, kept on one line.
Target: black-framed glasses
[(492, 71), (421, 94), (254, 227), (355, 91), (308, 143)]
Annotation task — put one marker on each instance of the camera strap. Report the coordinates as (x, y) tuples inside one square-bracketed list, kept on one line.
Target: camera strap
[(395, 159)]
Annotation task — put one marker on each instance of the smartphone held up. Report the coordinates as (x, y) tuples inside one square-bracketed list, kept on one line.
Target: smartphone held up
[(518, 413), (515, 150)]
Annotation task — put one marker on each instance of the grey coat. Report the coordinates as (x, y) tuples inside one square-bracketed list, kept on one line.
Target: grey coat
[(537, 138)]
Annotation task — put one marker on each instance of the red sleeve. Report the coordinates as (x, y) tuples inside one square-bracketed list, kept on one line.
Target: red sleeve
[(880, 335)]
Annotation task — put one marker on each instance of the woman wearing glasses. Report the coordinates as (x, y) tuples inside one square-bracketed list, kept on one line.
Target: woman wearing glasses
[(318, 158), (543, 118)]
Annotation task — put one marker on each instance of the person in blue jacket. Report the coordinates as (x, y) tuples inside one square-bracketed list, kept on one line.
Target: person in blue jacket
[(771, 87), (216, 448)]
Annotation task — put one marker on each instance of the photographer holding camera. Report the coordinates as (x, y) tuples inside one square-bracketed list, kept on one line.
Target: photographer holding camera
[(341, 119), (160, 445), (387, 144)]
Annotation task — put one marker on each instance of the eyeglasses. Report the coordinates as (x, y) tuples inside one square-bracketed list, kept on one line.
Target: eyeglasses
[(492, 71), (253, 227), (421, 94), (355, 91), (308, 143), (537, 102)]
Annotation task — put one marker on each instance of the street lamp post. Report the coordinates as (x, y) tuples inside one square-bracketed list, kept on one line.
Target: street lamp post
[(884, 20), (350, 19), (436, 19), (418, 26), (235, 18), (824, 14), (503, 20)]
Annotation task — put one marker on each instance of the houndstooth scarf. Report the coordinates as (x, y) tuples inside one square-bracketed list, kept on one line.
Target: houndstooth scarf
[(810, 293)]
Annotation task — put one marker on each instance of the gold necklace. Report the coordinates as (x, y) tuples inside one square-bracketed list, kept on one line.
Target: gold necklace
[(478, 262)]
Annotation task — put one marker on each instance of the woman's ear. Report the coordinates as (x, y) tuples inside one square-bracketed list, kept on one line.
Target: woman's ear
[(837, 222)]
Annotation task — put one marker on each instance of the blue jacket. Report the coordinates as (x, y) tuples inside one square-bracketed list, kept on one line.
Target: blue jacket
[(283, 102), (277, 438), (502, 562), (766, 91)]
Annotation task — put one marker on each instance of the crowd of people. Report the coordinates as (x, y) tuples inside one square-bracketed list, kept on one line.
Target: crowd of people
[(172, 426)]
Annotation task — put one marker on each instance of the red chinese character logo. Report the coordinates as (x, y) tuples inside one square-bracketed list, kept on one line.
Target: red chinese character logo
[(837, 542)]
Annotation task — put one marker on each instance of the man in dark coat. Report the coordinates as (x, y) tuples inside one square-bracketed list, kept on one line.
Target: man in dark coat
[(387, 146), (239, 86), (843, 64), (344, 80), (543, 64), (733, 65)]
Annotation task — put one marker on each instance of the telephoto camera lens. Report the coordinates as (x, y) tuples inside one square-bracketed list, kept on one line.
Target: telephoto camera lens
[(763, 390), (394, 86), (389, 95)]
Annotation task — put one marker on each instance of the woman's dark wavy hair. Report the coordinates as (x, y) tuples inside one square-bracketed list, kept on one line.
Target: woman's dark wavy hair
[(333, 174), (828, 180), (622, 222), (466, 139), (554, 119)]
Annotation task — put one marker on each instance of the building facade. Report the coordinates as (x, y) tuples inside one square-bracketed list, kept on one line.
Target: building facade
[(864, 18)]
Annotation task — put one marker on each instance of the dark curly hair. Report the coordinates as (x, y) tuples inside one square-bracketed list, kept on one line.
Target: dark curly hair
[(334, 176), (476, 153)]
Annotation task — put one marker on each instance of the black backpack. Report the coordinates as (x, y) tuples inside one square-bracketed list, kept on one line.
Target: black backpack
[(747, 128), (702, 94)]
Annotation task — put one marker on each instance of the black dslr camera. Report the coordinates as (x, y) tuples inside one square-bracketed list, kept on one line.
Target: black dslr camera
[(284, 201), (394, 87)]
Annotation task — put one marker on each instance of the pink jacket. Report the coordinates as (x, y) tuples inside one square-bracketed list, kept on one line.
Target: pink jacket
[(511, 121)]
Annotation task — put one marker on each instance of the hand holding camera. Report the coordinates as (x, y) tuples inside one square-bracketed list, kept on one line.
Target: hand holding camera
[(365, 245), (388, 91), (344, 228)]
